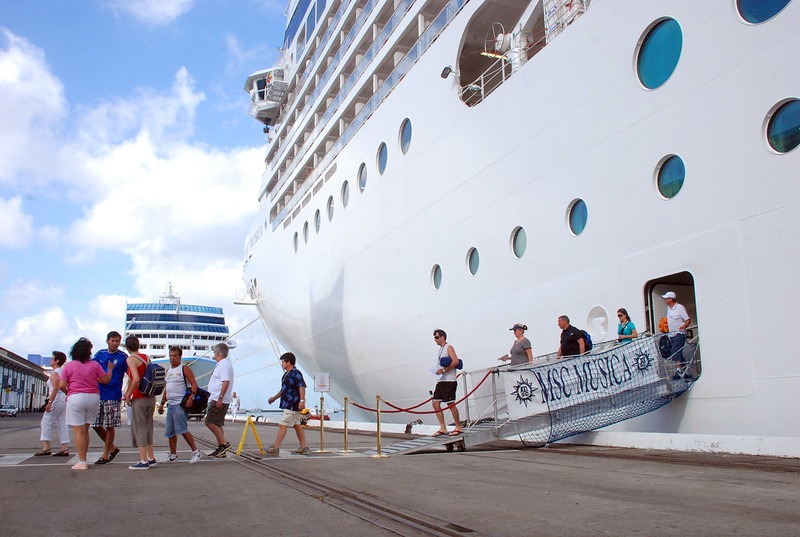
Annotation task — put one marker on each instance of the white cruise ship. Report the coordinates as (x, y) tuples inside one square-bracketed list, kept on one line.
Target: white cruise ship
[(469, 164), (170, 323)]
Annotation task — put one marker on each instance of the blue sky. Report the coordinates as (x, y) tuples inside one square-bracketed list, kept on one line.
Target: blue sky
[(127, 160)]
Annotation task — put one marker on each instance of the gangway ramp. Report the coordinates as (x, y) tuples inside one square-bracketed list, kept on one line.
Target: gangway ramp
[(557, 398), (474, 436)]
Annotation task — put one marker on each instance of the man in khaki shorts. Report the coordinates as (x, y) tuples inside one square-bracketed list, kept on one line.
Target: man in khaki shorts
[(220, 386), (293, 400)]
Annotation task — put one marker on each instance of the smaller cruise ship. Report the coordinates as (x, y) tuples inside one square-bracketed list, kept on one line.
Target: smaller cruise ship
[(170, 323)]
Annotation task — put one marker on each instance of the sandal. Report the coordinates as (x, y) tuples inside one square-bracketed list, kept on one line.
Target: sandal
[(42, 453), (456, 432), (61, 454), (439, 433)]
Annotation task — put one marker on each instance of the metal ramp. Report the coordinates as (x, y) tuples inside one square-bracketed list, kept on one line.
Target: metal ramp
[(473, 436), (555, 399)]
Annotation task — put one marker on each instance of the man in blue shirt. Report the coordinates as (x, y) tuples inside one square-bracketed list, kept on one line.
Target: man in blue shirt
[(293, 400), (108, 415)]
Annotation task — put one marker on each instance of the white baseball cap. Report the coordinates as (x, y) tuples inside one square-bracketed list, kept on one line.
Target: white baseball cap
[(669, 294)]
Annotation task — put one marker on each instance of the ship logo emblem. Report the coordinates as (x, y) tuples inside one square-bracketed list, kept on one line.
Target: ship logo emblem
[(524, 391), (643, 362)]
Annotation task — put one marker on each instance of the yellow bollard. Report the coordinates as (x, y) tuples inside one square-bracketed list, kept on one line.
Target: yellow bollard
[(346, 448), (378, 455)]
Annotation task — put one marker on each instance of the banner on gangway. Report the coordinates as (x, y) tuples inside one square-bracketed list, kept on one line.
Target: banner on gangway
[(580, 379)]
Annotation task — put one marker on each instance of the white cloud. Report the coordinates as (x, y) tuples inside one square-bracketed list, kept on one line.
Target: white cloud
[(40, 333), (155, 12), (16, 227), (32, 105), (24, 295)]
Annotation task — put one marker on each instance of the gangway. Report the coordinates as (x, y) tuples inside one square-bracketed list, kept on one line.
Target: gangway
[(557, 398)]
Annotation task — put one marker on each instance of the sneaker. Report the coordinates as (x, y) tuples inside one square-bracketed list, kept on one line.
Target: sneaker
[(139, 466), (222, 454), (273, 451), (224, 449), (195, 457), (113, 454), (172, 457), (102, 460), (152, 462), (302, 451)]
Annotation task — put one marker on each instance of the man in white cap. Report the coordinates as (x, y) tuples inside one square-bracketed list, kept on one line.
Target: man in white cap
[(677, 321)]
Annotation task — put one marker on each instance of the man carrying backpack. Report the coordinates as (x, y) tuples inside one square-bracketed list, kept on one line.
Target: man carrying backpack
[(179, 379), (572, 339), (142, 405)]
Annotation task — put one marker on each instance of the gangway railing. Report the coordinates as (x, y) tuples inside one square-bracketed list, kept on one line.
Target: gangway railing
[(555, 398)]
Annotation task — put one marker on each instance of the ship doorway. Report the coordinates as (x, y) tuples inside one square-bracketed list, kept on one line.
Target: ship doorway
[(682, 284)]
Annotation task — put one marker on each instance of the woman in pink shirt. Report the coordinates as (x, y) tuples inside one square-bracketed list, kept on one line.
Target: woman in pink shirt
[(80, 378)]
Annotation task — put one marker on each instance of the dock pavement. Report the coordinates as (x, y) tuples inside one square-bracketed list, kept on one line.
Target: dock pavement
[(499, 489)]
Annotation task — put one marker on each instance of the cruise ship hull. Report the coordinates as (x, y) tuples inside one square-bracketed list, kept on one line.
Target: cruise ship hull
[(357, 301)]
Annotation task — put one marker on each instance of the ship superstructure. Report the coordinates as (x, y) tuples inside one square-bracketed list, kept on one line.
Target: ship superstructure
[(466, 165), (195, 329)]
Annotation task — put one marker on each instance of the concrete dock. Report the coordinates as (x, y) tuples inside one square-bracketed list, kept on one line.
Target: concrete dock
[(499, 489)]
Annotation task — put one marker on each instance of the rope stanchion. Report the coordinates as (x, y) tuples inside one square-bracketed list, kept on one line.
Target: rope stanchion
[(321, 426), (378, 455), (346, 449), (425, 411)]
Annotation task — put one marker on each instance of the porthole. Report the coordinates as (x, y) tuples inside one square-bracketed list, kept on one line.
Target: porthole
[(519, 242), (317, 221), (670, 174), (577, 215), (330, 208), (295, 241), (436, 277), (345, 194), (362, 177), (473, 261), (783, 126), (405, 135), (758, 11), (597, 322), (305, 232), (383, 156), (658, 54)]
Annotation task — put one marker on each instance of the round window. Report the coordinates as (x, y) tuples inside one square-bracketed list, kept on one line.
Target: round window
[(783, 126), (330, 208), (345, 193), (436, 276), (577, 215), (405, 135), (295, 241), (383, 155), (758, 11), (362, 177), (658, 54), (473, 261), (670, 174), (317, 221), (519, 242), (305, 232)]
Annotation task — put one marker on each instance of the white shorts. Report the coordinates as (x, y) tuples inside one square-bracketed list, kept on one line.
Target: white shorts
[(290, 418), (82, 408)]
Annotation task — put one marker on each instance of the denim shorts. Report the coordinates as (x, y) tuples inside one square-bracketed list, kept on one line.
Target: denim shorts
[(177, 421)]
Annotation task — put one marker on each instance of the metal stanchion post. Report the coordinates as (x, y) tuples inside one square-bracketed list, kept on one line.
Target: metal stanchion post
[(378, 455), (346, 409), (321, 426)]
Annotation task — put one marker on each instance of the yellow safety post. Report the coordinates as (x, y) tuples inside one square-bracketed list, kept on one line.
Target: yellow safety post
[(378, 455), (346, 406), (321, 426), (249, 425)]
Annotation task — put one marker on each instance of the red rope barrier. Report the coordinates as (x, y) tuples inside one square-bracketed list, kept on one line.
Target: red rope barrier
[(409, 409)]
